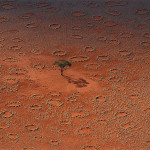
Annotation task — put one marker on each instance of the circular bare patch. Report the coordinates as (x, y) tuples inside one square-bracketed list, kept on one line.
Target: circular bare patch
[(133, 96), (6, 114), (41, 4), (11, 59), (120, 88), (142, 11), (54, 93), (147, 110), (147, 60), (92, 5), (8, 89), (78, 13), (71, 99), (13, 136), (21, 54), (113, 12), (79, 114), (11, 81), (114, 42), (49, 114), (124, 53), (97, 18), (114, 134), (129, 125), (84, 131), (12, 31), (3, 19), (89, 147), (15, 47), (101, 98), (114, 70), (90, 25), (37, 51), (110, 23), (52, 9), (1, 39), (7, 6), (96, 77), (37, 96), (25, 17), (102, 38), (28, 148), (38, 138), (76, 28), (141, 26), (115, 3), (55, 142), (76, 94), (92, 66), (147, 35), (89, 49), (18, 71), (31, 25), (3, 125), (130, 21), (17, 40), (79, 58), (102, 122), (65, 122), (148, 143), (54, 26), (35, 107), (39, 66), (114, 79), (121, 114), (63, 132), (126, 35), (55, 102), (59, 53), (31, 127), (145, 44), (1, 45), (77, 37), (14, 104), (103, 58)]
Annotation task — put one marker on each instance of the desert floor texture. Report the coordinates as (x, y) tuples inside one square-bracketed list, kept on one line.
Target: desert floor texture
[(103, 100)]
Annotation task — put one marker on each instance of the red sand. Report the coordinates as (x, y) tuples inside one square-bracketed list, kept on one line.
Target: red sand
[(101, 102)]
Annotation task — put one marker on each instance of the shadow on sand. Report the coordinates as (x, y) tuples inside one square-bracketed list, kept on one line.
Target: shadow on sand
[(79, 82)]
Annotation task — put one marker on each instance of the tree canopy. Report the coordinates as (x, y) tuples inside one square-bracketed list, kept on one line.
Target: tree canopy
[(62, 63)]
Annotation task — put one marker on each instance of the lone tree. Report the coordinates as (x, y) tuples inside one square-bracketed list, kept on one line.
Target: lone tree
[(62, 64)]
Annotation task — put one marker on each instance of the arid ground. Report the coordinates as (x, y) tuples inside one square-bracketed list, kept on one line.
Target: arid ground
[(103, 100)]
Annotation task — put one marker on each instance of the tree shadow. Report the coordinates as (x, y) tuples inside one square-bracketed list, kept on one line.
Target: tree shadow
[(78, 82)]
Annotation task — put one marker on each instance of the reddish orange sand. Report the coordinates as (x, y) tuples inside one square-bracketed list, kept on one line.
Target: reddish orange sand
[(103, 100)]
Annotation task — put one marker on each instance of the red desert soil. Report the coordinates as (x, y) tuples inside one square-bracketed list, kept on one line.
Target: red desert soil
[(102, 102)]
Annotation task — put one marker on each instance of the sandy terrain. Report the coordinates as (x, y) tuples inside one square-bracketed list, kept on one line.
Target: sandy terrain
[(103, 100)]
